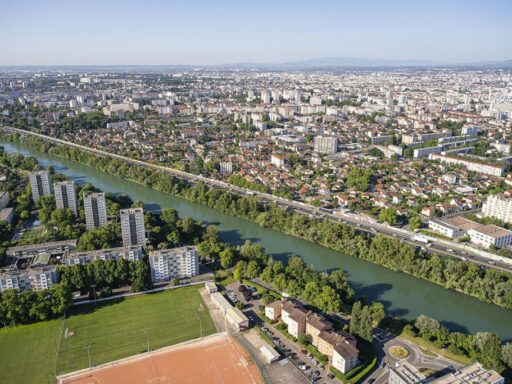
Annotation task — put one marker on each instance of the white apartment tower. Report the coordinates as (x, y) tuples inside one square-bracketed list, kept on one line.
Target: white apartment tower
[(499, 207), (132, 227), (40, 184), (65, 195), (95, 210), (179, 262), (326, 144)]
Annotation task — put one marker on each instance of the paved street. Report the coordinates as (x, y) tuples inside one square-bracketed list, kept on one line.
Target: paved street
[(385, 340)]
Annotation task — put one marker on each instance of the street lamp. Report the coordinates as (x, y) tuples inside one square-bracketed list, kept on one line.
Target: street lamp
[(94, 291), (146, 332), (88, 347)]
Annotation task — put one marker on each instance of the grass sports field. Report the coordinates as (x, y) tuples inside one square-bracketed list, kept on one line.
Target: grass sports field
[(113, 330)]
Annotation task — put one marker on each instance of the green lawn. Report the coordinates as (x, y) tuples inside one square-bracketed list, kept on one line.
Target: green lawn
[(114, 329)]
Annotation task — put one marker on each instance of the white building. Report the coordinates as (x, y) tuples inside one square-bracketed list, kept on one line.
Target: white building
[(233, 315), (40, 184), (478, 167), (452, 227), (179, 262), (405, 373), (499, 207), (277, 160), (132, 227), (487, 235), (28, 279), (424, 152), (226, 167), (345, 356), (326, 144), (95, 208), (65, 196)]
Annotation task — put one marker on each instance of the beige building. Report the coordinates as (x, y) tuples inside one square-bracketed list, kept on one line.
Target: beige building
[(452, 227), (316, 324)]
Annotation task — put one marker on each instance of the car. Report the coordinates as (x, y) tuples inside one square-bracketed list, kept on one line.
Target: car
[(322, 367), (303, 367), (303, 351), (383, 364), (371, 381), (330, 376)]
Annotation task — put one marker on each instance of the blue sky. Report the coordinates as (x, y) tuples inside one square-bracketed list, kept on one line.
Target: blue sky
[(70, 32)]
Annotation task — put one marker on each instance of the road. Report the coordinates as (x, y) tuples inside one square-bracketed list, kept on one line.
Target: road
[(361, 222), (384, 341)]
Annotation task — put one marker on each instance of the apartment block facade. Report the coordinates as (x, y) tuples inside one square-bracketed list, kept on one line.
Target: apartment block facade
[(133, 230), (95, 208), (178, 262), (65, 196), (40, 184)]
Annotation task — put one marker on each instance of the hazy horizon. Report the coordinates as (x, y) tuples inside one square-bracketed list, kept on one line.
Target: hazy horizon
[(157, 32)]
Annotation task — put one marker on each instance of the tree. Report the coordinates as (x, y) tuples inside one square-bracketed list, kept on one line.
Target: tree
[(487, 347), (415, 222), (239, 270), (252, 270), (427, 326), (388, 215), (141, 277), (506, 354), (227, 257), (359, 179)]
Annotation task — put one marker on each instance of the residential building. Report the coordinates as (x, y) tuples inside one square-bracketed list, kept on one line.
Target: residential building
[(327, 341), (425, 152), (277, 160), (29, 279), (226, 167), (470, 165), (345, 356), (294, 316), (4, 200), (52, 248), (7, 214), (40, 184), (132, 227), (95, 208), (176, 262), (273, 310), (487, 235), (316, 324), (499, 207), (65, 196), (130, 253), (326, 144)]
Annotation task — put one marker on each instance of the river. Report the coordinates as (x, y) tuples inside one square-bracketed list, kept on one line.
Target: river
[(401, 294)]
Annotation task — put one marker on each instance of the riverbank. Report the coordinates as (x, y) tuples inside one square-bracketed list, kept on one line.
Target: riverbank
[(385, 251), (402, 295)]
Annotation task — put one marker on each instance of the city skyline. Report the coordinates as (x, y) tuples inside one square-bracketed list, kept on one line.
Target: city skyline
[(161, 33)]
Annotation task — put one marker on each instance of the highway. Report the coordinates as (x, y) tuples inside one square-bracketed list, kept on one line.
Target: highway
[(359, 221)]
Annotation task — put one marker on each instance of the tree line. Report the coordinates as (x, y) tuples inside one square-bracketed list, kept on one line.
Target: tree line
[(485, 284)]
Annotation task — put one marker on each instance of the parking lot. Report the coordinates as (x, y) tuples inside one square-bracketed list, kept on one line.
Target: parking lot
[(312, 369)]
